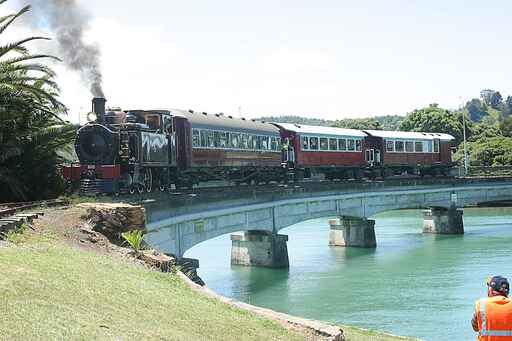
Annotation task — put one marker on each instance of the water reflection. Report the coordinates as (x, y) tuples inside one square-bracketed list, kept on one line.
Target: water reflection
[(246, 282)]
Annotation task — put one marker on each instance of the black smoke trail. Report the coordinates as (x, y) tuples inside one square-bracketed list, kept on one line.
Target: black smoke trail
[(68, 21)]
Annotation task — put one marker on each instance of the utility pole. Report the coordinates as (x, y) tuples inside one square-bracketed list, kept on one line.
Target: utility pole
[(466, 165)]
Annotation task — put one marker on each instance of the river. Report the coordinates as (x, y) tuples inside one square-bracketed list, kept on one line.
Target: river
[(412, 284)]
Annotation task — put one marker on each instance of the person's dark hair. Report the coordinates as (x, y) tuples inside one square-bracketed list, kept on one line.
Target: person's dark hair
[(499, 284)]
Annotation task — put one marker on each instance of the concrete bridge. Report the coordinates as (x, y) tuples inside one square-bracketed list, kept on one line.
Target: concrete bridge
[(176, 226)]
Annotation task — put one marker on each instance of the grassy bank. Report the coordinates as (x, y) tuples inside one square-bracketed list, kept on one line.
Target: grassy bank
[(53, 289)]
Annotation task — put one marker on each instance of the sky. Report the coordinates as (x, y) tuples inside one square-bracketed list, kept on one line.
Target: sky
[(328, 59)]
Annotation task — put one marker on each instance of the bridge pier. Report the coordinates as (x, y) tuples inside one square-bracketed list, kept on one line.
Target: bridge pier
[(352, 231), (440, 220), (259, 248)]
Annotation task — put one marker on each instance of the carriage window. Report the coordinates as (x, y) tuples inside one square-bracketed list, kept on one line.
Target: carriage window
[(324, 143), (204, 138), (305, 142), (258, 142), (167, 125), (235, 138), (358, 145), (333, 144), (274, 143), (409, 146), (399, 146), (342, 144), (211, 139), (264, 142), (313, 143), (418, 147), (244, 142), (427, 146), (217, 138), (250, 141), (223, 140), (436, 146), (153, 121), (351, 145), (228, 140), (196, 138), (390, 146)]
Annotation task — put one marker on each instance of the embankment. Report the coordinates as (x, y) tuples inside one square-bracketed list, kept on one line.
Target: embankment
[(58, 283)]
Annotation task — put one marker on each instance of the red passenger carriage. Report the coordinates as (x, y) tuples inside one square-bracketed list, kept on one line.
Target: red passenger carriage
[(334, 152), (411, 152)]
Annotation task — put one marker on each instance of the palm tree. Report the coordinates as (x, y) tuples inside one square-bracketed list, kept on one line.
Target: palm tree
[(31, 130)]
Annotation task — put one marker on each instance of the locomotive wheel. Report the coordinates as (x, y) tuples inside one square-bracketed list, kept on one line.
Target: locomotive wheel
[(140, 188), (148, 181), (132, 189)]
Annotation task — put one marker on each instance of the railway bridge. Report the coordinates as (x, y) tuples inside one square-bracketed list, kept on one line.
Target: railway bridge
[(177, 224)]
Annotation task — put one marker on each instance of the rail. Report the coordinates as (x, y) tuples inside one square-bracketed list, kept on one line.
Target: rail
[(8, 209)]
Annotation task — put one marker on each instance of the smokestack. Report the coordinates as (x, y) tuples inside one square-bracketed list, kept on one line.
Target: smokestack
[(98, 107)]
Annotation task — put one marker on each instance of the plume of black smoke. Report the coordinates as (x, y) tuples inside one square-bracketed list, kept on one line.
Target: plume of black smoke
[(68, 21)]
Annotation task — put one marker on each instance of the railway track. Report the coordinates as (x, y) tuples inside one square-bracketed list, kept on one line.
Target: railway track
[(9, 209)]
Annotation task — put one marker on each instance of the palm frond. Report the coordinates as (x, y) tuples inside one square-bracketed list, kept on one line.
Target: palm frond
[(27, 58), (17, 46), (14, 17)]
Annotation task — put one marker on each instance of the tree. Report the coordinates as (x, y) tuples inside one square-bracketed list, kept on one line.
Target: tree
[(494, 151), (476, 110), (491, 97), (390, 122), (31, 131), (486, 95), (508, 105), (496, 100), (358, 123), (435, 120)]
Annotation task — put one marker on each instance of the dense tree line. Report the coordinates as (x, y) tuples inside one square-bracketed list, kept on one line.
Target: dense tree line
[(31, 130), (296, 120), (488, 122)]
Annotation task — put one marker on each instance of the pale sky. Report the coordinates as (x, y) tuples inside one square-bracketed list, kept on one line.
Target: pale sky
[(327, 59)]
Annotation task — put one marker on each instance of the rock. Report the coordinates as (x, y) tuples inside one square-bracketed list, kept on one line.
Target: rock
[(112, 219), (157, 260)]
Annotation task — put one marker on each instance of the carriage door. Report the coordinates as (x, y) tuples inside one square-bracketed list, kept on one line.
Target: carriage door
[(291, 154), (370, 156), (377, 156)]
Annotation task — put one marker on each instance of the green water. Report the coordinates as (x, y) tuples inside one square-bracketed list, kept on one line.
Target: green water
[(412, 284)]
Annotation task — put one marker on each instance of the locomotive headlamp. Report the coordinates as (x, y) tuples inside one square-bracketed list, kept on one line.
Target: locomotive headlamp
[(91, 117)]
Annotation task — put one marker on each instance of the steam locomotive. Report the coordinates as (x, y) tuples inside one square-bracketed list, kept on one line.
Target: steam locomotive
[(144, 150)]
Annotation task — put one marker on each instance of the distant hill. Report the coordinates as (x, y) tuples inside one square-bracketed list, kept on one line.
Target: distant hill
[(296, 120), (388, 122)]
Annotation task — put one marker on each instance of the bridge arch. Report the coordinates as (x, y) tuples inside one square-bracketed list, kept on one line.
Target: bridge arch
[(177, 234)]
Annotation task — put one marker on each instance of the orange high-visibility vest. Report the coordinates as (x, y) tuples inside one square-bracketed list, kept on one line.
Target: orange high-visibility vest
[(494, 316)]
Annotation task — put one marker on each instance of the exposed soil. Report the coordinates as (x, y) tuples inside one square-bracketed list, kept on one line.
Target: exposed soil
[(69, 226)]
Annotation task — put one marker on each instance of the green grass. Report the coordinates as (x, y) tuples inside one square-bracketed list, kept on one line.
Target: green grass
[(51, 291)]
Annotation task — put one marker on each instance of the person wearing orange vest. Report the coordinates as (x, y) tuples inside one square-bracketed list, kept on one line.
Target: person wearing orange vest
[(493, 314)]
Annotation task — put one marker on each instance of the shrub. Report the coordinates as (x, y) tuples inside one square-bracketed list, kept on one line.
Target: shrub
[(134, 238)]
